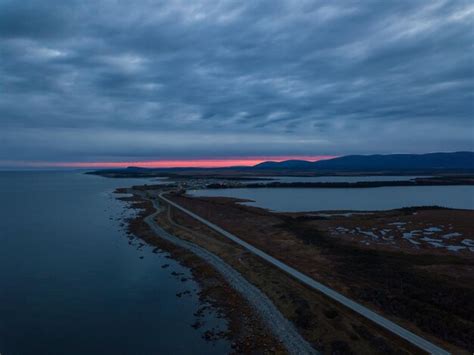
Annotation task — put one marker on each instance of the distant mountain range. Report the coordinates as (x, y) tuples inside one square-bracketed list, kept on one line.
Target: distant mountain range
[(458, 162), (398, 162)]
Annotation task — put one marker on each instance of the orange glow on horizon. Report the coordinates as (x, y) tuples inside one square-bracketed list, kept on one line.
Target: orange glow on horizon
[(176, 163)]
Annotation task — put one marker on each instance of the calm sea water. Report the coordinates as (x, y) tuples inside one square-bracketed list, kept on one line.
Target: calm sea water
[(369, 199), (71, 284)]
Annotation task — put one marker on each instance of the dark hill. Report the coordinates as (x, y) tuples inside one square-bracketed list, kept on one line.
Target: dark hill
[(459, 161), (432, 161), (287, 164)]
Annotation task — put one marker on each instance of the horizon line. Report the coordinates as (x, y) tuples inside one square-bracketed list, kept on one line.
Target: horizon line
[(167, 163)]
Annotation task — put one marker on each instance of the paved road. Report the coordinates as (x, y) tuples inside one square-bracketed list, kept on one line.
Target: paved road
[(360, 309), (263, 306)]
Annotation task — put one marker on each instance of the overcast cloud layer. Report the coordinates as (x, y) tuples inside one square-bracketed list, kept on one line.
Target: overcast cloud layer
[(96, 80)]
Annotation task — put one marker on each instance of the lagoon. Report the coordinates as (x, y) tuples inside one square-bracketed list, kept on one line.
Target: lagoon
[(356, 199)]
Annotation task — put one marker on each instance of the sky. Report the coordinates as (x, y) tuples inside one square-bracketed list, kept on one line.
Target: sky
[(90, 81)]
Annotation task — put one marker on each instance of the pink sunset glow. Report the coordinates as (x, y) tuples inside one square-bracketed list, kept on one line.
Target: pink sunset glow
[(175, 163)]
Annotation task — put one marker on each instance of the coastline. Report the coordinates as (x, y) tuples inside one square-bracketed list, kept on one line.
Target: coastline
[(246, 332), (327, 326), (432, 181)]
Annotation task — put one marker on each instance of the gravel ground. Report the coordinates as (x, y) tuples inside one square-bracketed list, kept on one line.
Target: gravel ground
[(263, 306)]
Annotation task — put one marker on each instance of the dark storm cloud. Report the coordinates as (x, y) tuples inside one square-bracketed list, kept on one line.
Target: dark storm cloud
[(106, 80)]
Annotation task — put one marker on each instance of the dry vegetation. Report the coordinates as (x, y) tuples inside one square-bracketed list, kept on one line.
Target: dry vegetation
[(416, 289)]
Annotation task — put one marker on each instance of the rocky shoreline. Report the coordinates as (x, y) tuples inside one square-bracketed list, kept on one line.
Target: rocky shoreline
[(246, 333)]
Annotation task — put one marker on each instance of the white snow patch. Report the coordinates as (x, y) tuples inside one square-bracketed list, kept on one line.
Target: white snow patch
[(468, 242), (426, 239), (369, 234), (411, 234), (436, 244), (433, 229), (451, 235)]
